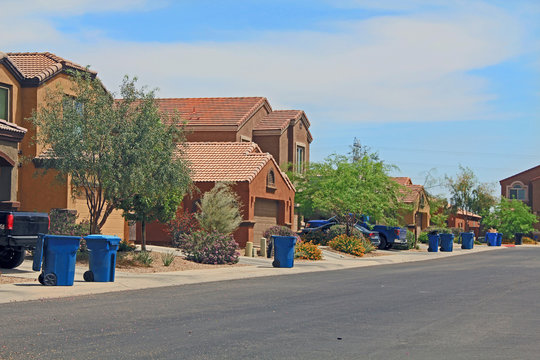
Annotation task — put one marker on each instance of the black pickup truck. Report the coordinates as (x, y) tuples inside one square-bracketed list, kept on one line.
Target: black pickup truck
[(19, 232)]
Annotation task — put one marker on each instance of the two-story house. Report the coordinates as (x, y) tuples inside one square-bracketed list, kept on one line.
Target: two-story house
[(25, 79), (524, 186), (417, 217), (282, 133)]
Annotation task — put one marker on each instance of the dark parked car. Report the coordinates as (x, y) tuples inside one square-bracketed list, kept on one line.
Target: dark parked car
[(325, 225), (369, 234)]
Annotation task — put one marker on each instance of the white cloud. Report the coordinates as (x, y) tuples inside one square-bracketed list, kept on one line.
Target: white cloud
[(388, 68)]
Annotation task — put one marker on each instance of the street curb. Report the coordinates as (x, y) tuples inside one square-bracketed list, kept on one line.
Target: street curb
[(260, 267)]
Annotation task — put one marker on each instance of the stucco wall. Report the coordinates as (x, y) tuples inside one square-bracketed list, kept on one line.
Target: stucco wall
[(248, 193)]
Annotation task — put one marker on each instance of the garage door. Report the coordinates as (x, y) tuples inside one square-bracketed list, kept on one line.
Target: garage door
[(266, 214)]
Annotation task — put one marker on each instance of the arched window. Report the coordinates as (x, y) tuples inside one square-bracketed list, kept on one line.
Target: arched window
[(517, 191), (271, 179)]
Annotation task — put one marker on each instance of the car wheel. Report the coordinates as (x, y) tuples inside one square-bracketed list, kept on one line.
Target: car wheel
[(383, 244), (10, 258)]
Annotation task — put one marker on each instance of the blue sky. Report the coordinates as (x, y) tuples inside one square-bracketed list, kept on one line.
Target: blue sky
[(429, 84)]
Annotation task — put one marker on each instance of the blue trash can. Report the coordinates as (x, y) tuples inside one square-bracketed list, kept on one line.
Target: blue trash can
[(447, 242), (467, 240), (57, 254), (283, 251), (491, 239), (102, 260), (499, 239), (433, 241)]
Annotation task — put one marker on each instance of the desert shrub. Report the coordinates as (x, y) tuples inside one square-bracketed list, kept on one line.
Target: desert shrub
[(278, 230), (209, 248), (307, 250), (527, 240), (167, 258), (337, 230), (317, 237), (368, 246), (64, 222), (125, 246), (348, 244), (183, 223), (423, 238), (219, 210), (144, 258)]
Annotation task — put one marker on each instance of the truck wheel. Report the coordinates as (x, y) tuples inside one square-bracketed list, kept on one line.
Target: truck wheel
[(388, 246), (10, 258), (383, 244)]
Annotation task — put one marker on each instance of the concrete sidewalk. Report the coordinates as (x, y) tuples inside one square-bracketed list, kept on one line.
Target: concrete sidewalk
[(257, 267)]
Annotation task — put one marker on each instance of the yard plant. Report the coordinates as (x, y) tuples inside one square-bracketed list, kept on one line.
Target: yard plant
[(308, 251), (348, 244), (209, 248)]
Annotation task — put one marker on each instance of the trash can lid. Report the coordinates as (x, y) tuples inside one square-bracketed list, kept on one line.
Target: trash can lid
[(112, 239)]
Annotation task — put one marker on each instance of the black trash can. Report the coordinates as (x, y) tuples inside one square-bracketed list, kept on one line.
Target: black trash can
[(518, 238)]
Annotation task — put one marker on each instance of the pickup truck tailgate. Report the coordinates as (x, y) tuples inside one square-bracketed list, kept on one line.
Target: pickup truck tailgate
[(29, 223)]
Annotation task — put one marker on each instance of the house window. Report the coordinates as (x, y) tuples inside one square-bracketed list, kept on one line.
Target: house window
[(4, 103), (271, 179), (300, 158), (518, 191)]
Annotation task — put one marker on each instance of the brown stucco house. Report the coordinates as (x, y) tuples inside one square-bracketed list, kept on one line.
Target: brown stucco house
[(10, 137), (524, 186), (465, 220), (418, 217), (24, 81), (266, 193), (282, 133)]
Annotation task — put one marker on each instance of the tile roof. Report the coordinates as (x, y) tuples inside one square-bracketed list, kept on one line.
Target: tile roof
[(226, 161), (520, 173), (278, 119), (467, 213), (39, 67), (403, 180), (409, 191), (232, 111), (11, 127)]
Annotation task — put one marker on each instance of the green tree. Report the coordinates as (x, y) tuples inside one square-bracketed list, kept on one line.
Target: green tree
[(80, 130), (510, 217), (154, 176), (342, 186), (219, 210), (468, 194), (117, 154)]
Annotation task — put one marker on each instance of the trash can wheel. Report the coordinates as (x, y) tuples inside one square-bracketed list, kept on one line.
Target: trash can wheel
[(40, 279), (275, 263), (88, 276), (49, 279)]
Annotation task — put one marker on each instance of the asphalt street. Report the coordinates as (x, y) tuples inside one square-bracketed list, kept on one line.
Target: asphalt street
[(478, 306)]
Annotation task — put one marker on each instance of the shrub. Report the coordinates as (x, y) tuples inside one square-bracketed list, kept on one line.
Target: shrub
[(144, 258), (337, 230), (317, 237), (348, 244), (209, 248), (220, 210), (64, 222), (307, 250), (278, 230), (184, 223), (125, 246), (423, 238), (368, 246), (167, 258)]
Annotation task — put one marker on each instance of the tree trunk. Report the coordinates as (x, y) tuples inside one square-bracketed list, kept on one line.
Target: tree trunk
[(143, 235)]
